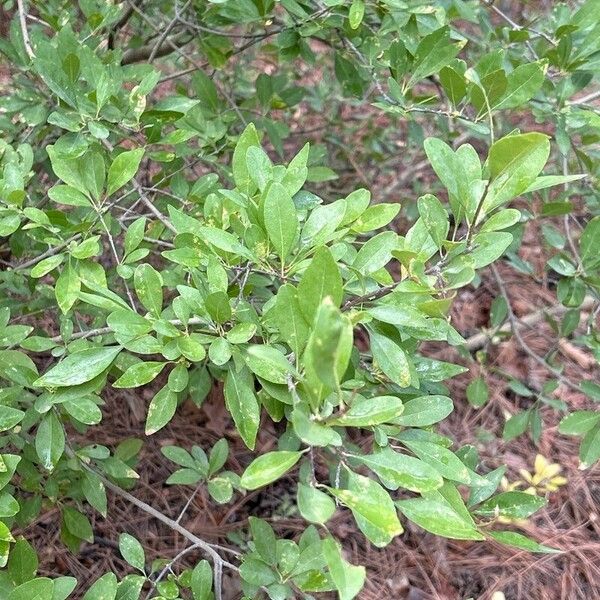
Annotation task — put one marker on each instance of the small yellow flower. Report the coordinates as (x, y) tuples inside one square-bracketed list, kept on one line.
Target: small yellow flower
[(546, 476), (544, 479)]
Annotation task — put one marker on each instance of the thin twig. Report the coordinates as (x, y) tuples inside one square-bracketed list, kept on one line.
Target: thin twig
[(24, 32), (477, 341), (585, 99), (518, 27), (380, 293), (168, 567), (105, 330), (206, 547), (517, 333), (167, 30)]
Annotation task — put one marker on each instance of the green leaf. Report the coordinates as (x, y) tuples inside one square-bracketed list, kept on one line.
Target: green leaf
[(201, 582), (518, 540), (501, 220), (399, 470), (488, 247), (192, 348), (40, 588), (45, 266), (516, 425), (260, 167), (511, 505), (65, 194), (264, 540), (435, 218), (391, 359), (63, 587), (424, 411), (50, 441), (370, 411), (314, 505), (289, 319), (9, 507), (515, 161), (9, 417), (242, 404), (178, 378), (445, 462), (219, 351), (589, 244), (148, 287), (139, 374), (134, 235), (523, 83), (51, 71), (438, 517), (434, 51), (348, 579), (84, 410), (218, 456), (132, 551), (22, 562), (125, 322), (93, 171), (268, 468), (546, 181), (8, 464), (67, 288), (94, 492), (372, 508), (269, 363), (579, 422), (452, 172), (376, 253), (589, 451), (281, 220), (77, 524), (103, 589), (123, 169), (79, 367), (328, 350), (310, 431), (241, 175), (454, 85), (223, 240), (356, 13), (321, 279), (477, 392), (296, 172), (241, 333), (375, 217), (161, 410)]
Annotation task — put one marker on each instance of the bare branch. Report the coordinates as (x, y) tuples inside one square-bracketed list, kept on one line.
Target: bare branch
[(24, 32), (144, 52)]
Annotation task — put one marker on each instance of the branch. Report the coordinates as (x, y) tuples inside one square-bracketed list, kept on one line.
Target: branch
[(119, 24), (143, 53), (207, 548), (513, 321), (477, 341), (517, 27), (104, 330), (167, 30), (24, 32), (380, 293), (585, 99)]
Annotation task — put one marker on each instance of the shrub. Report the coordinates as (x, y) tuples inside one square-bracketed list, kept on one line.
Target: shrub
[(125, 268)]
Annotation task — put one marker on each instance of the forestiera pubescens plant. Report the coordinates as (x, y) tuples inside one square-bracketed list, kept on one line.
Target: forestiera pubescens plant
[(311, 313)]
